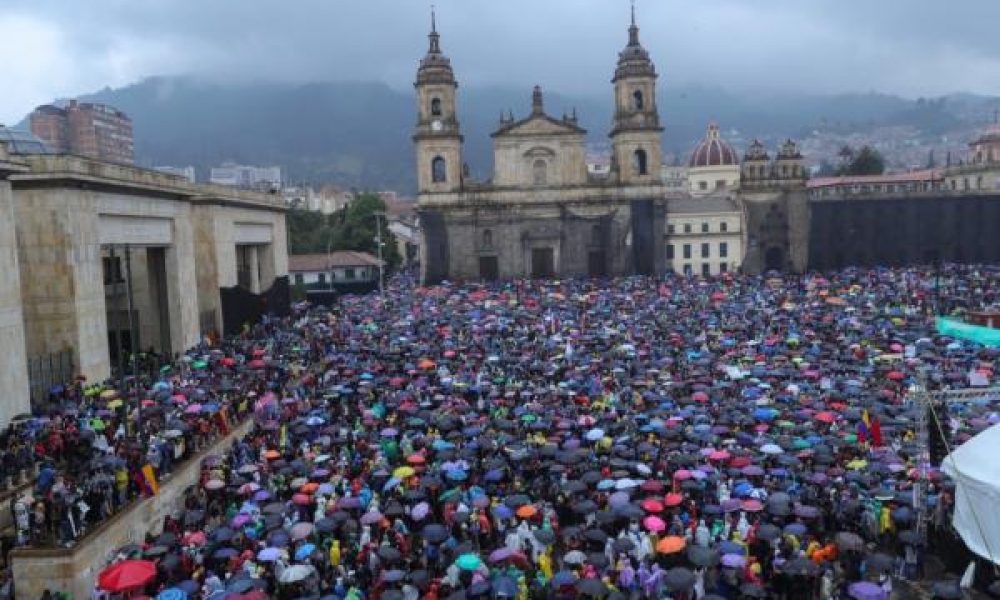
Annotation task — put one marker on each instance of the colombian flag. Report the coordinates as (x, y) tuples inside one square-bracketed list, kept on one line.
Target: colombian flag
[(150, 478), (864, 427)]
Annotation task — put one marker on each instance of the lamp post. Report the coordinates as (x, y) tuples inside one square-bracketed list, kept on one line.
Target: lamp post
[(378, 246)]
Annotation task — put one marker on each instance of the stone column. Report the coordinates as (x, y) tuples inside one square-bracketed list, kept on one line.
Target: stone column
[(253, 257), (182, 286), (13, 364), (265, 257)]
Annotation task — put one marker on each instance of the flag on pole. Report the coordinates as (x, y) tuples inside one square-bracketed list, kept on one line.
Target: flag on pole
[(864, 427), (149, 477)]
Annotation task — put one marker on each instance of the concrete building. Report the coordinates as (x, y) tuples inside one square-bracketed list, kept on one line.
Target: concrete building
[(704, 235), (86, 129), (246, 176), (326, 200), (547, 213), (82, 241)]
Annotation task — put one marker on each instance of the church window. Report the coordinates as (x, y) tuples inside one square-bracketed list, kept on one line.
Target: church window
[(438, 170), (687, 228), (637, 100), (595, 234), (436, 107), (702, 185), (639, 162), (487, 238), (539, 172), (704, 227), (723, 226)]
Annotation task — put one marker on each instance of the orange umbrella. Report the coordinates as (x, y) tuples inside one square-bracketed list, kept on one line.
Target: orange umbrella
[(527, 511), (426, 364), (272, 454), (671, 544), (309, 488), (416, 459)]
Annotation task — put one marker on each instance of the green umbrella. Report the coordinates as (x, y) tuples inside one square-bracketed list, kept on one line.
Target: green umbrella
[(199, 364), (529, 418), (469, 562), (97, 424), (165, 369)]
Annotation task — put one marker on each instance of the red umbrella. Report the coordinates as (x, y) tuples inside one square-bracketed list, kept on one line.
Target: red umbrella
[(673, 500), (256, 364), (699, 397), (302, 499), (825, 417), (126, 575), (228, 362), (652, 505), (895, 376)]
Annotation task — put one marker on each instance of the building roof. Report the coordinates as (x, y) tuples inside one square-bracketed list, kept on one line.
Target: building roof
[(312, 263), (697, 206), (22, 142), (908, 177), (713, 151), (549, 125)]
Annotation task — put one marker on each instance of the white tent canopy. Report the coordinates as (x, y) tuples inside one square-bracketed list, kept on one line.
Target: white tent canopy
[(975, 468)]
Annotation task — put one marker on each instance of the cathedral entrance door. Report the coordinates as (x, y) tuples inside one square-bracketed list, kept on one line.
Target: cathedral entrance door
[(774, 260), (489, 269), (595, 264), (542, 263)]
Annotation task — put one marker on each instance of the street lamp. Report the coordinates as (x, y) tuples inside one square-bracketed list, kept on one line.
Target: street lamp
[(378, 246)]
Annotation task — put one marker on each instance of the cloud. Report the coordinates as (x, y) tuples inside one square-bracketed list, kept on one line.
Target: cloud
[(913, 47)]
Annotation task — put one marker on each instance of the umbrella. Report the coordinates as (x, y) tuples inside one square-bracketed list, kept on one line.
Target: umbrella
[(172, 594), (679, 579), (671, 544), (865, 590), (592, 587), (468, 562), (434, 533), (879, 562), (702, 557), (574, 557), (296, 573), (126, 575)]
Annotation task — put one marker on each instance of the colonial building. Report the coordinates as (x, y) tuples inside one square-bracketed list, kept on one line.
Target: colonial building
[(545, 214)]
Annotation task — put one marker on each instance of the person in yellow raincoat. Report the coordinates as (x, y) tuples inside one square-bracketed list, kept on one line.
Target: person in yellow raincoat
[(545, 563), (885, 524), (335, 553)]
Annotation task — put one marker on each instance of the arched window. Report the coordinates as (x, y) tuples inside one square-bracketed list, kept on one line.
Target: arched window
[(487, 238), (439, 173), (436, 107), (637, 100), (538, 172), (639, 162)]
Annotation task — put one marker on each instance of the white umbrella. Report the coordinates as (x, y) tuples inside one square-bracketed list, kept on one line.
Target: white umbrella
[(771, 449), (296, 573)]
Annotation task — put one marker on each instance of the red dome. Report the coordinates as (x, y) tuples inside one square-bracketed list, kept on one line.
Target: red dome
[(713, 151)]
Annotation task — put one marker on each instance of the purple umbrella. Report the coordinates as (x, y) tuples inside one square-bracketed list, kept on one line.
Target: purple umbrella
[(734, 561), (731, 505), (499, 555), (806, 511), (752, 471), (866, 590), (420, 511)]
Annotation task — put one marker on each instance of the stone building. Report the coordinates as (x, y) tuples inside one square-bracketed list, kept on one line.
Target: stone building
[(87, 129), (98, 257), (544, 214)]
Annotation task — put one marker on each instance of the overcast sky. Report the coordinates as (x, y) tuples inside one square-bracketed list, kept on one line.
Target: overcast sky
[(58, 48)]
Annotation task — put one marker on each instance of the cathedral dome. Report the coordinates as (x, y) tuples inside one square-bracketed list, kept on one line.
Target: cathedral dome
[(713, 151)]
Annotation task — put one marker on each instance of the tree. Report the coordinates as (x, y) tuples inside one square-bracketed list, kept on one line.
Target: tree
[(351, 228), (866, 161)]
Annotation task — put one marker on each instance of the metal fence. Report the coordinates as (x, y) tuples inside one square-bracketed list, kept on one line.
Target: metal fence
[(48, 370)]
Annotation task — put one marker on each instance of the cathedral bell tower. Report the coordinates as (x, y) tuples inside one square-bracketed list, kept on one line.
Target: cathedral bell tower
[(437, 136), (635, 132)]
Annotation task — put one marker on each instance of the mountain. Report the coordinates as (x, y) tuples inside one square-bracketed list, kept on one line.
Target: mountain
[(357, 134)]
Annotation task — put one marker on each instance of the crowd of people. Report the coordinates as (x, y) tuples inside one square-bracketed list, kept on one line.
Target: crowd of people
[(733, 437)]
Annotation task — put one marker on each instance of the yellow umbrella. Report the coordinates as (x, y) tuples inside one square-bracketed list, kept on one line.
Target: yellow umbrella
[(107, 394), (857, 463), (114, 404), (403, 472)]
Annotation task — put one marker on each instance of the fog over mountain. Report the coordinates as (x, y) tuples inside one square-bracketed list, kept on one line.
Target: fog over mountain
[(358, 133)]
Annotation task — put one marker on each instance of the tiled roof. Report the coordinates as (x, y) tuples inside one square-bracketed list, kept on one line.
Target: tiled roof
[(911, 176), (312, 263)]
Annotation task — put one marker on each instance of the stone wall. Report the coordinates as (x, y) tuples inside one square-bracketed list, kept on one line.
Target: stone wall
[(74, 570), (15, 397)]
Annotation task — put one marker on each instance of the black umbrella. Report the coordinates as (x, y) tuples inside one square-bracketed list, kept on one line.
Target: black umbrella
[(679, 579), (702, 557), (622, 545), (434, 533), (592, 588), (544, 536), (389, 554), (879, 562)]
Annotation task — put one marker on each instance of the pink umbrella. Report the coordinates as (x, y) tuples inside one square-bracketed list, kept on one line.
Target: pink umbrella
[(682, 474), (654, 524)]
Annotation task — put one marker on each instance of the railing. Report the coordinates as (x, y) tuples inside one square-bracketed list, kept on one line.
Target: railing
[(48, 370)]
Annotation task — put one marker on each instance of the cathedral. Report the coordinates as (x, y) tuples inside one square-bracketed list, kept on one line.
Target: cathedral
[(544, 214)]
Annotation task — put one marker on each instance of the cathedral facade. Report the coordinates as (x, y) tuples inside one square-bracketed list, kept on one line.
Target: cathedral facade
[(542, 214)]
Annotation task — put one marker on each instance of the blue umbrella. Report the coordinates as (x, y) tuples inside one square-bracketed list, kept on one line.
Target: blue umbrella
[(172, 594), (304, 551)]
